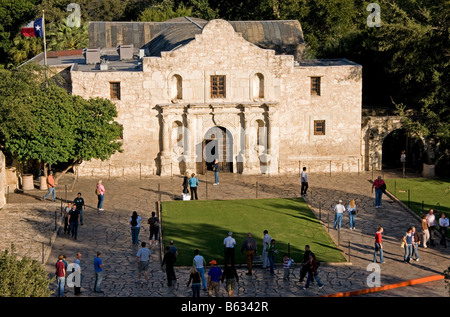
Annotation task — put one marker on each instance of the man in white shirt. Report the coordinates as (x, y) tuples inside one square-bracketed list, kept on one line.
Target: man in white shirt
[(339, 211), (229, 243), (431, 219), (443, 225), (266, 243), (304, 182)]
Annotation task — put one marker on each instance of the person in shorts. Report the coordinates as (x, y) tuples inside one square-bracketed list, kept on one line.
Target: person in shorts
[(143, 261)]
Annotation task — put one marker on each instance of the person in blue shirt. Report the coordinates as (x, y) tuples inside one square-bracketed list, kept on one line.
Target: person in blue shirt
[(216, 172), (193, 183), (98, 267), (408, 240)]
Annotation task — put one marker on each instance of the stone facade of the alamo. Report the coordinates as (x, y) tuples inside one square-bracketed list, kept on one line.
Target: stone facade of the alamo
[(237, 91)]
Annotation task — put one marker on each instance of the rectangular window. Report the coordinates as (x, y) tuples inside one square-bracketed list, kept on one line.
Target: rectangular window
[(319, 127), (218, 86), (114, 90), (315, 86)]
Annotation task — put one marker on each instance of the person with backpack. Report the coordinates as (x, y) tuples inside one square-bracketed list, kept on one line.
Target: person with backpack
[(154, 228)]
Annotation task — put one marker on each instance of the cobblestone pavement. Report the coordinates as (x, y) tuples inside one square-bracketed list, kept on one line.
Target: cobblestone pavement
[(30, 224)]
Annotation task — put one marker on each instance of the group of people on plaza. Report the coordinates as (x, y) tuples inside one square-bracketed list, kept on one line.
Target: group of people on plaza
[(190, 182), (229, 276), (210, 281), (51, 186), (412, 239)]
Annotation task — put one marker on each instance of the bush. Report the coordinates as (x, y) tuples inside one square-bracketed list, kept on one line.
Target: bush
[(22, 278)]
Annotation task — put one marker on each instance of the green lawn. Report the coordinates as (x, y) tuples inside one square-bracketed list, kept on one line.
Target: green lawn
[(435, 193), (204, 225)]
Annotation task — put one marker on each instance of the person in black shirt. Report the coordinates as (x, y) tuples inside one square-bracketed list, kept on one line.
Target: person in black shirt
[(73, 220), (79, 202), (231, 277), (169, 260), (305, 264)]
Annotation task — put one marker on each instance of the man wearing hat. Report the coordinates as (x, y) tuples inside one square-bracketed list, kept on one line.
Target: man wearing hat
[(214, 276), (339, 211), (229, 244)]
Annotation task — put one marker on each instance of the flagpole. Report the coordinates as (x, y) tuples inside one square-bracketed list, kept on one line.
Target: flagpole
[(43, 36)]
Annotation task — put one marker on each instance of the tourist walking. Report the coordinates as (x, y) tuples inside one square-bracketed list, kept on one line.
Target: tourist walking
[(186, 183), (193, 183), (143, 261), (426, 232), (249, 247), (195, 278), (98, 269), (135, 226), (154, 228), (51, 187), (305, 263), (313, 272), (65, 213), (74, 215), (272, 251), (338, 212), (199, 263), (408, 243), (431, 219), (231, 278), (229, 243), (214, 276), (287, 261), (216, 172), (100, 191), (60, 275), (169, 261), (380, 187), (266, 243), (443, 226), (304, 182), (351, 209), (77, 289), (79, 201), (416, 243), (378, 245)]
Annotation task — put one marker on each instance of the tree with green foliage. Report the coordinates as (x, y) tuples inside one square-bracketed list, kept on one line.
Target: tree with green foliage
[(23, 277), (41, 121), (163, 11)]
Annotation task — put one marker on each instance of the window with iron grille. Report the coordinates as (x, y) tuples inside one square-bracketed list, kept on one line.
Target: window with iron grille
[(315, 86), (114, 89), (218, 86), (319, 127)]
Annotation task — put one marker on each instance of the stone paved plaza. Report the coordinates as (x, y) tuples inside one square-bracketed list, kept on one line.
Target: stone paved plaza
[(30, 224)]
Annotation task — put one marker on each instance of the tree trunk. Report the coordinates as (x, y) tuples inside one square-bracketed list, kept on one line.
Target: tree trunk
[(74, 163)]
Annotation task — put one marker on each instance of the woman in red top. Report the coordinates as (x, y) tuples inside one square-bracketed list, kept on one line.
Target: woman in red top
[(378, 245)]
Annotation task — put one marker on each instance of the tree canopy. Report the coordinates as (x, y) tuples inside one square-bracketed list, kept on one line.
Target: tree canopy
[(42, 121), (405, 60)]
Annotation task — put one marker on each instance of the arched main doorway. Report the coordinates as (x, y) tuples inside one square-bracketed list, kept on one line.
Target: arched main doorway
[(217, 144)]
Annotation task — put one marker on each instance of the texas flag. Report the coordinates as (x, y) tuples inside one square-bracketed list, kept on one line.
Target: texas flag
[(33, 29)]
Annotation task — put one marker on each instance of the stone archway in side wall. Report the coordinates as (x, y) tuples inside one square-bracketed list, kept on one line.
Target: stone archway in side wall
[(374, 130)]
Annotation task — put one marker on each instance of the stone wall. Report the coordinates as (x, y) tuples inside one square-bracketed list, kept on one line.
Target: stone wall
[(263, 90)]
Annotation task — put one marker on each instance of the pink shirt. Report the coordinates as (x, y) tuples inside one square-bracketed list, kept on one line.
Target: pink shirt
[(101, 189)]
